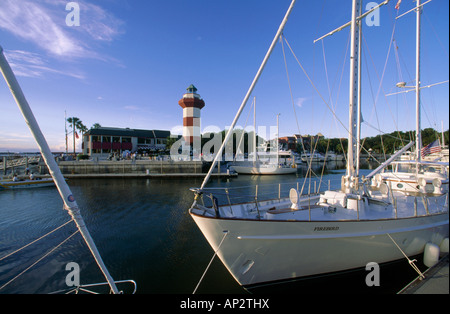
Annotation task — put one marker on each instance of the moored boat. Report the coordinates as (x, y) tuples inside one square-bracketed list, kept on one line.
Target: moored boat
[(26, 184), (264, 241), (263, 168), (412, 177)]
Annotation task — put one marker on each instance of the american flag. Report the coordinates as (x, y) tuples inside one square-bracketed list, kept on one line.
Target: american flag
[(433, 147)]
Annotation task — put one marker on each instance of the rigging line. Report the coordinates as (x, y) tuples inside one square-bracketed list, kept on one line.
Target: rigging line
[(435, 33), (411, 262), (289, 83), (290, 90), (344, 59), (63, 189), (399, 72), (374, 109), (340, 82), (40, 259), (405, 66), (320, 95), (292, 98), (315, 88), (247, 95), (309, 170), (381, 81), (380, 87), (215, 253), (27, 245), (383, 132), (324, 163), (397, 61), (326, 72)]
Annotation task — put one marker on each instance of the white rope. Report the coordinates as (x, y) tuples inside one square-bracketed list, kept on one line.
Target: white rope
[(210, 262), (45, 255), (411, 262), (25, 246)]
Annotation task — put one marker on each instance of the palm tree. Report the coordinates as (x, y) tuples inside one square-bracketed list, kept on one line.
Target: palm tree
[(75, 124)]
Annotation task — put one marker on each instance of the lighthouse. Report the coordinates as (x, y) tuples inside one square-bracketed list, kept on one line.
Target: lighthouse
[(191, 104)]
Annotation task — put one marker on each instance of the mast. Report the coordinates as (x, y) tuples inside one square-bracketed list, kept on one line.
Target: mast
[(418, 131), (69, 201), (359, 115), (252, 86), (278, 136), (353, 94), (65, 128), (254, 130)]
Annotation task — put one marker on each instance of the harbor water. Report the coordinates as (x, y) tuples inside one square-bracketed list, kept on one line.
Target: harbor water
[(143, 231)]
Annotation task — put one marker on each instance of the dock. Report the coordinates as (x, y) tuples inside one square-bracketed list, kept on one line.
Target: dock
[(436, 280), (148, 175), (143, 168)]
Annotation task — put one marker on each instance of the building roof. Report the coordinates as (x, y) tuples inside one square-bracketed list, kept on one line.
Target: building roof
[(191, 88), (128, 132)]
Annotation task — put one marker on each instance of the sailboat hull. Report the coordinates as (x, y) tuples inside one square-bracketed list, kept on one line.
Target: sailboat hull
[(26, 184), (256, 252), (264, 170)]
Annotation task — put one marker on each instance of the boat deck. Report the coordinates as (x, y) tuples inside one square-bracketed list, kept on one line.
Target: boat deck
[(317, 208)]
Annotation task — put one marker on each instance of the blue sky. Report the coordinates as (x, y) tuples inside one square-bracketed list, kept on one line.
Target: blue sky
[(129, 62)]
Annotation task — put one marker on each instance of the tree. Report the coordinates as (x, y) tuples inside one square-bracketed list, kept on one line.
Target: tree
[(96, 126), (76, 124)]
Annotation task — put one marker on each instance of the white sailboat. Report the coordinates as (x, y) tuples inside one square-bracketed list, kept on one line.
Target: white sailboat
[(26, 184), (411, 176), (280, 162), (305, 235), (266, 162), (313, 157), (259, 168)]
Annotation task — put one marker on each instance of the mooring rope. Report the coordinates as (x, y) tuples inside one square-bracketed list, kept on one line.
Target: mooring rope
[(210, 262), (411, 262)]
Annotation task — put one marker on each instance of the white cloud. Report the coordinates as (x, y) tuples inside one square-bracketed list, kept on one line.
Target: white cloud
[(300, 101), (31, 64), (43, 23), (34, 22), (177, 130)]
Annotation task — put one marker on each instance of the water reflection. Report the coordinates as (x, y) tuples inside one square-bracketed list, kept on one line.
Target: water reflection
[(141, 227)]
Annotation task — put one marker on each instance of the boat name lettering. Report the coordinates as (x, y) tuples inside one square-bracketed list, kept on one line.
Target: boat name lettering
[(326, 228)]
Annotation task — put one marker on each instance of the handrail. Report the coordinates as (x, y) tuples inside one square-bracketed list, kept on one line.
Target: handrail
[(230, 199), (82, 287)]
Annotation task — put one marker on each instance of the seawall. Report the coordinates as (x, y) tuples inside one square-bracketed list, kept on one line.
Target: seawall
[(126, 167)]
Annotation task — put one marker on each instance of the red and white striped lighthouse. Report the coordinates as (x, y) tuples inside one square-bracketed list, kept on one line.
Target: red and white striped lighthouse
[(191, 104)]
